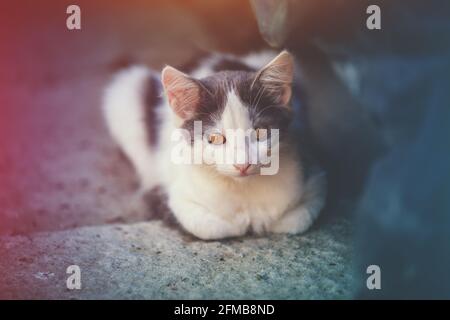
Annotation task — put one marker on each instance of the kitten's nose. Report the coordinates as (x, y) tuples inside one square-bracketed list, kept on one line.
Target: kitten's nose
[(242, 167)]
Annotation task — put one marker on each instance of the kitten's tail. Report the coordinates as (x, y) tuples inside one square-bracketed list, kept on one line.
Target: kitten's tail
[(124, 109)]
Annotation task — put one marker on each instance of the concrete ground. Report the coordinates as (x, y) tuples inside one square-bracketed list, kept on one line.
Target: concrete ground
[(68, 197), (150, 261)]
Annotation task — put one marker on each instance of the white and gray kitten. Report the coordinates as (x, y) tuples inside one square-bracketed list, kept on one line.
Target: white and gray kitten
[(216, 200)]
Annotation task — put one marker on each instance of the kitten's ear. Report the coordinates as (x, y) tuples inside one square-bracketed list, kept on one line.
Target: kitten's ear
[(277, 77), (182, 92)]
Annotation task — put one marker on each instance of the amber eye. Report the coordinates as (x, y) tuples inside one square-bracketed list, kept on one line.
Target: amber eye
[(261, 134), (217, 138)]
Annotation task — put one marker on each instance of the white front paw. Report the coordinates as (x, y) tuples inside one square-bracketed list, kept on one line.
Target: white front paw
[(241, 222), (296, 221), (212, 228)]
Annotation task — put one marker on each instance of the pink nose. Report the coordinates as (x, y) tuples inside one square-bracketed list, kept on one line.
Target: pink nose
[(242, 167)]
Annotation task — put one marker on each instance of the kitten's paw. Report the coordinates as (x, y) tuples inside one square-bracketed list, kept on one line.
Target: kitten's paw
[(214, 228), (215, 231), (241, 222), (298, 220)]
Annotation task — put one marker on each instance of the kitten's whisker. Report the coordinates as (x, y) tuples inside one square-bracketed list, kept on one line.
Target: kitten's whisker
[(256, 96), (260, 96), (265, 108), (263, 89)]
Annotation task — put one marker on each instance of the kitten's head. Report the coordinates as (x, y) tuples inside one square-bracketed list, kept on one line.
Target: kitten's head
[(237, 111)]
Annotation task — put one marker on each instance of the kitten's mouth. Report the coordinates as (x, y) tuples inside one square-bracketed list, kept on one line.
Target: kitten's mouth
[(246, 174), (243, 169)]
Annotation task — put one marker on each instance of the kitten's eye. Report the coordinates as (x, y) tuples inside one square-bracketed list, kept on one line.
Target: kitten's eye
[(217, 138), (261, 134)]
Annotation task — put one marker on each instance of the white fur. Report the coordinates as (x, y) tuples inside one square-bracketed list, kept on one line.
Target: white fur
[(208, 202), (124, 115), (235, 116)]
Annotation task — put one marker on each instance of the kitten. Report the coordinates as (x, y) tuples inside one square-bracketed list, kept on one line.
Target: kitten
[(218, 199)]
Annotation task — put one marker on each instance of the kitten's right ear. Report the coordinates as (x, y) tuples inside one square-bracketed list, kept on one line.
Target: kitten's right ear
[(182, 92), (277, 77)]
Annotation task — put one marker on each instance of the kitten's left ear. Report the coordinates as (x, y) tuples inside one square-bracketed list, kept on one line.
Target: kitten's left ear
[(182, 91), (277, 77)]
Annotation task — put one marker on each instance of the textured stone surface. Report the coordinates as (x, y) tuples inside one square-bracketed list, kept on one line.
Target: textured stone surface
[(148, 260)]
